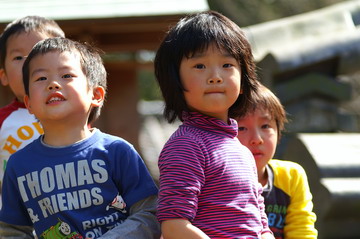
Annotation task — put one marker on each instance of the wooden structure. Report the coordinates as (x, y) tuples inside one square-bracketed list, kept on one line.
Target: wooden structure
[(121, 28)]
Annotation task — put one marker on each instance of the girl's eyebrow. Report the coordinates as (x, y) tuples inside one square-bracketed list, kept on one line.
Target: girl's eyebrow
[(15, 49), (202, 54), (196, 55)]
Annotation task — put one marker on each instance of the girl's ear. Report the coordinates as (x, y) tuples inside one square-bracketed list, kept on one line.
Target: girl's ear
[(27, 103), (98, 96), (3, 77)]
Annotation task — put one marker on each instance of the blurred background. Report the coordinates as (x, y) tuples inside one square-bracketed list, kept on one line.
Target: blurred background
[(307, 52)]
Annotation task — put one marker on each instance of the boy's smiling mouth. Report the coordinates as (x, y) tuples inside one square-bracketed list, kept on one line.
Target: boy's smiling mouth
[(55, 98)]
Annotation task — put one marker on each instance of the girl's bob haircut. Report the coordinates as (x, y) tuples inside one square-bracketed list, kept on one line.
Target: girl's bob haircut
[(194, 33)]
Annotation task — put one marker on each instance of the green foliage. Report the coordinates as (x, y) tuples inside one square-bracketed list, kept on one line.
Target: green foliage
[(149, 89)]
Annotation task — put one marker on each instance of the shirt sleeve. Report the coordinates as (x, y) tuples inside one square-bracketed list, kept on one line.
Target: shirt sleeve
[(181, 165), (300, 219), (8, 231), (141, 223)]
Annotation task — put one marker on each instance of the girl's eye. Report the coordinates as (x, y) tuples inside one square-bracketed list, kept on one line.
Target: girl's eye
[(199, 66), (18, 58)]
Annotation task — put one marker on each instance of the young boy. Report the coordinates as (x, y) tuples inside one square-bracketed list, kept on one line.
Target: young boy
[(17, 127), (288, 200), (74, 181)]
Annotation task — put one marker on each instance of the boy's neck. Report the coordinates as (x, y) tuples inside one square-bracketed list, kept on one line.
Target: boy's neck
[(263, 177), (65, 135)]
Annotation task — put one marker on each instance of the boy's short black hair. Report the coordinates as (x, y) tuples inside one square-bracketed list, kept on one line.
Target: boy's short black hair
[(28, 24), (265, 99), (90, 61), (194, 33)]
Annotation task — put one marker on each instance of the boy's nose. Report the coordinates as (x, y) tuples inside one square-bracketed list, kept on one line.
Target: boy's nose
[(54, 86), (256, 139)]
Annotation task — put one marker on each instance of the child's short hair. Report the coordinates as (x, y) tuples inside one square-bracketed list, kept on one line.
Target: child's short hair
[(195, 33), (90, 60), (265, 99), (28, 24)]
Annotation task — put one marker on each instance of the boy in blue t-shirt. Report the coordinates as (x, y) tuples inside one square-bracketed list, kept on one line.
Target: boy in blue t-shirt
[(74, 181)]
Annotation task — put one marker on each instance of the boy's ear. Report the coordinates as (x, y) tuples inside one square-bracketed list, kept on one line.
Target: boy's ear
[(98, 96), (27, 103), (3, 77)]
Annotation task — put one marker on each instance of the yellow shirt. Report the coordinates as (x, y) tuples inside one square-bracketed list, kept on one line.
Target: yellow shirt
[(288, 201)]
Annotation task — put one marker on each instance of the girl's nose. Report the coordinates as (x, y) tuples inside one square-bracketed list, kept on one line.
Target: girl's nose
[(215, 76), (215, 80)]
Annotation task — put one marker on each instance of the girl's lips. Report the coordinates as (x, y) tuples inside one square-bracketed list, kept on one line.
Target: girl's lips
[(215, 90)]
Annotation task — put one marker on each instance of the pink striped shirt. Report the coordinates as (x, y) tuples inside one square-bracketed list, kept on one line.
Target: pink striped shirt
[(209, 178)]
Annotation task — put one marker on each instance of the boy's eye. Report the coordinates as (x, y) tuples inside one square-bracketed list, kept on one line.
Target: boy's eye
[(41, 78), (67, 76), (265, 126), (227, 65), (241, 128)]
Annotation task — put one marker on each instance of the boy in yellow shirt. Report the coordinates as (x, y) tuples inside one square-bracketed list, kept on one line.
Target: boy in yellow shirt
[(288, 200)]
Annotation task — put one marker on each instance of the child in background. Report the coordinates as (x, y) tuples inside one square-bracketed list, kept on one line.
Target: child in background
[(17, 126), (288, 200), (208, 188), (74, 181)]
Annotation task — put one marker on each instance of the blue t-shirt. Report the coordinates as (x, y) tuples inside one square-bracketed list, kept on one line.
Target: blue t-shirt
[(81, 190)]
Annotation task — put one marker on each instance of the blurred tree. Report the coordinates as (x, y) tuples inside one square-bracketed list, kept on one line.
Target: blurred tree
[(149, 89), (250, 12)]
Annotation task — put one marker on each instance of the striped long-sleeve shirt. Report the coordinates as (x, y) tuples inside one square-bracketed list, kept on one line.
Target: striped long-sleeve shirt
[(209, 178)]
